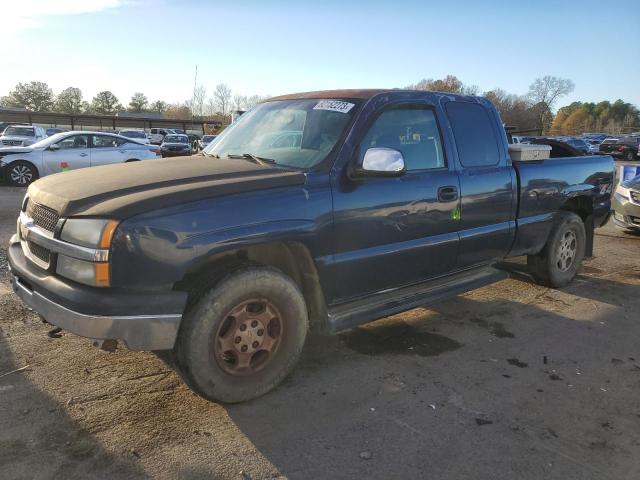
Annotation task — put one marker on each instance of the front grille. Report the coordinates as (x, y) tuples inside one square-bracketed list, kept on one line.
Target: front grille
[(635, 220), (43, 217), (39, 252), (635, 196)]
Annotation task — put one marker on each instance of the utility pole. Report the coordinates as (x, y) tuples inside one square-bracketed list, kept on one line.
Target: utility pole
[(193, 96)]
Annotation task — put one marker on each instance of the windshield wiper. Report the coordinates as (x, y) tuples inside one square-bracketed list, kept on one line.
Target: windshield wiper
[(254, 158)]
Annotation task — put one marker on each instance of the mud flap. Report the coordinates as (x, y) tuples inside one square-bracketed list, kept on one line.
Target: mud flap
[(588, 228)]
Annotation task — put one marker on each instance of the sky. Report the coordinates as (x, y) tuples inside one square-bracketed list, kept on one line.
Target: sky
[(281, 46)]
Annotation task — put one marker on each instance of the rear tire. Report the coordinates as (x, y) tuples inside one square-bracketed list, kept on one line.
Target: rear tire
[(21, 173), (561, 258), (241, 338)]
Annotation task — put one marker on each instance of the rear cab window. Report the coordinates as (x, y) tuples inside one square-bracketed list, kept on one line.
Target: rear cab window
[(474, 133)]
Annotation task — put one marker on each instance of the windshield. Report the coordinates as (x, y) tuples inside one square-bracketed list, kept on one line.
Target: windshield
[(176, 139), (45, 142), (19, 132), (292, 133), (133, 134)]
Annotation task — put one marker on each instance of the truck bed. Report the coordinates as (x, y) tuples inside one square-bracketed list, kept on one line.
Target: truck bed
[(545, 186)]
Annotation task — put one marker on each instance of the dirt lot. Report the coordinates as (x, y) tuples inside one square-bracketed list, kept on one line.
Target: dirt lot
[(513, 381)]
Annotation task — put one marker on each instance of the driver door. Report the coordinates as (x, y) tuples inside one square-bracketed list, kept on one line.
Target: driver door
[(70, 153), (395, 231)]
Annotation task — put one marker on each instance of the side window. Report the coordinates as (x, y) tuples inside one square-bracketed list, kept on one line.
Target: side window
[(75, 141), (410, 129), (154, 131), (474, 134), (103, 141), (121, 141)]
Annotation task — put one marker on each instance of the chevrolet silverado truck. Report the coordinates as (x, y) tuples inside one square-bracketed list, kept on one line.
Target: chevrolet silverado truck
[(388, 200)]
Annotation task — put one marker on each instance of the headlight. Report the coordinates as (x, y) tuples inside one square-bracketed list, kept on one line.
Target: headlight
[(89, 273), (91, 233), (88, 232), (621, 194)]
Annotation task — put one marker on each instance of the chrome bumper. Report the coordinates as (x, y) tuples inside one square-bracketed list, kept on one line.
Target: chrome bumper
[(139, 332)]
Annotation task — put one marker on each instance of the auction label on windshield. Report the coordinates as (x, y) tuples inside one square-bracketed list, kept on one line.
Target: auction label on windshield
[(334, 106)]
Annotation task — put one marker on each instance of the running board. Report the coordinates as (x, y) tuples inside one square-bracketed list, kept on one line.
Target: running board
[(350, 314)]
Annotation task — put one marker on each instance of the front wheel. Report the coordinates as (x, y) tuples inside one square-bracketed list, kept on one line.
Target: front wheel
[(560, 259), (242, 337), (21, 173)]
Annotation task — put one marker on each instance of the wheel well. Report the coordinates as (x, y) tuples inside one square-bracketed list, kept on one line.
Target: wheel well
[(25, 161), (132, 160), (583, 207), (292, 258)]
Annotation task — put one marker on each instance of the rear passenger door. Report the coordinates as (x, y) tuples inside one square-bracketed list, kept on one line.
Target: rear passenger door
[(106, 149), (487, 183)]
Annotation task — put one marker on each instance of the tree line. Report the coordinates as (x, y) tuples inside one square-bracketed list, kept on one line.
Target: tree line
[(39, 97), (533, 111)]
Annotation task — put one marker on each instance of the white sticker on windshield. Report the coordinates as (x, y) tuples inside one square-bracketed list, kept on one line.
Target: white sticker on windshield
[(334, 106)]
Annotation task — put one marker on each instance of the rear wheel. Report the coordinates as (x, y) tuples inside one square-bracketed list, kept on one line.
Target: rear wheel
[(243, 337), (21, 173), (560, 259)]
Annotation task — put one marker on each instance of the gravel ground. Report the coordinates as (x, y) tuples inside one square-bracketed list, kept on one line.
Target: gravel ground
[(509, 381)]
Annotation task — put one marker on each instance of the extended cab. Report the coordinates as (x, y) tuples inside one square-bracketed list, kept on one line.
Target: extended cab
[(390, 200)]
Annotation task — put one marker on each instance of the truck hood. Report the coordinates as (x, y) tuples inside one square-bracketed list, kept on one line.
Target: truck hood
[(123, 190)]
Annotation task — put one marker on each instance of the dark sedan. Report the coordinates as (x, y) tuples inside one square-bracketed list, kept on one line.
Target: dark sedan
[(175, 146)]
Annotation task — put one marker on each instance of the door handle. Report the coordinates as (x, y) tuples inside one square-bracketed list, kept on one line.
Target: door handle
[(447, 194), (83, 154)]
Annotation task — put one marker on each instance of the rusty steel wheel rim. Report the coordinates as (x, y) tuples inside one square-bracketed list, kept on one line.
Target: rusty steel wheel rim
[(248, 337)]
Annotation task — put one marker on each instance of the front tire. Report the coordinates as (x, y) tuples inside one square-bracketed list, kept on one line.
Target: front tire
[(561, 258), (21, 173), (240, 339)]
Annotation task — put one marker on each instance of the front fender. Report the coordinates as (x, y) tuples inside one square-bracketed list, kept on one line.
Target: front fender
[(156, 250)]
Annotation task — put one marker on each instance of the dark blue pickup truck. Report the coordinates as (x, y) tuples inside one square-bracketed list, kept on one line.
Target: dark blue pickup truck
[(317, 211)]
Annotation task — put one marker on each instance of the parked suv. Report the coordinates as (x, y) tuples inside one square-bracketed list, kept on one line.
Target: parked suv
[(156, 135), (21, 135)]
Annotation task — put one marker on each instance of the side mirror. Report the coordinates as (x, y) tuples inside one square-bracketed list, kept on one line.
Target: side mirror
[(54, 147), (381, 162)]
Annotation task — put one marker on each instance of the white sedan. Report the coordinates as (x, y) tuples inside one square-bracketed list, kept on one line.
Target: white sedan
[(68, 151)]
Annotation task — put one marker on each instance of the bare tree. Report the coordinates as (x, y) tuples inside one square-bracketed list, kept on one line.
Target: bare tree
[(240, 102), (222, 95), (199, 97), (544, 92), (253, 100), (210, 108)]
